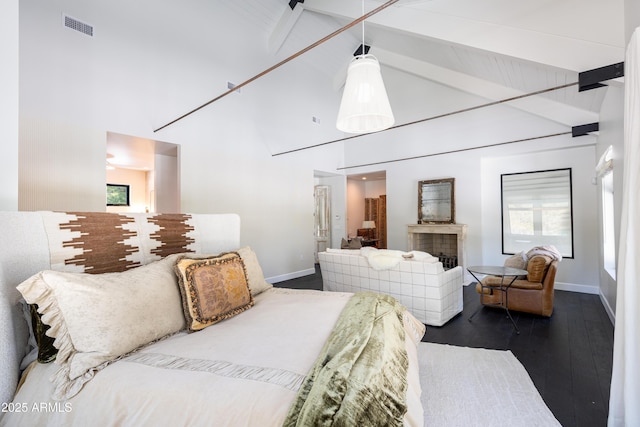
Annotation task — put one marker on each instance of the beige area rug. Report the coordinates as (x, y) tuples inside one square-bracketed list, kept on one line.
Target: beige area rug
[(464, 386)]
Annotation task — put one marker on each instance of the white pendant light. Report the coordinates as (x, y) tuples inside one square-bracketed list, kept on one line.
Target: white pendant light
[(365, 106)]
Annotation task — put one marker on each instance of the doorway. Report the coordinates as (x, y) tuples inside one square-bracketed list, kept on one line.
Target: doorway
[(150, 169), (321, 218), (335, 209), (367, 207)]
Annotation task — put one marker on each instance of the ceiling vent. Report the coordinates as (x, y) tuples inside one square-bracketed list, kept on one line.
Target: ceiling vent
[(80, 26)]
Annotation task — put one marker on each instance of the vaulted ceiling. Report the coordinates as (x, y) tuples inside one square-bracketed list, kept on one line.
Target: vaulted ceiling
[(492, 49), (495, 49)]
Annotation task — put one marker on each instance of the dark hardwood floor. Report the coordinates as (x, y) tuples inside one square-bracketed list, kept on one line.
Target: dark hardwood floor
[(568, 356)]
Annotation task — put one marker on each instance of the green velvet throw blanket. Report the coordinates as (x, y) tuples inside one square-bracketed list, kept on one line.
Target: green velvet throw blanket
[(360, 376)]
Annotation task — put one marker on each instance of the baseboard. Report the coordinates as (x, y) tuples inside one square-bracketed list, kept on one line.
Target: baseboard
[(289, 276), (572, 287), (608, 309)]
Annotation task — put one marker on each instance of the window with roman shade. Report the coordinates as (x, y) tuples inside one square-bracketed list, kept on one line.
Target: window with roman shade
[(537, 211)]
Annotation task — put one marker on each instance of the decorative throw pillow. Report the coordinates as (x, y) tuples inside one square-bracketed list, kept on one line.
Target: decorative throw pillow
[(537, 267), (97, 318), (516, 261), (344, 244), (255, 277), (355, 243), (213, 289)]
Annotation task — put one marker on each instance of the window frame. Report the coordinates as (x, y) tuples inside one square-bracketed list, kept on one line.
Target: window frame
[(505, 228), (127, 190), (608, 225)]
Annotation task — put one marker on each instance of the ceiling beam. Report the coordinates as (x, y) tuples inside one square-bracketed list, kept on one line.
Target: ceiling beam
[(550, 42), (294, 3), (283, 28), (538, 105)]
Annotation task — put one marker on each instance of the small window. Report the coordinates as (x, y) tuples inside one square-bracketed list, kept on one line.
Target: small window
[(537, 211), (604, 171), (609, 244), (117, 195)]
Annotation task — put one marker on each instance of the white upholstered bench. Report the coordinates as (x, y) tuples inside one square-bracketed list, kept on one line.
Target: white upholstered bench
[(431, 294)]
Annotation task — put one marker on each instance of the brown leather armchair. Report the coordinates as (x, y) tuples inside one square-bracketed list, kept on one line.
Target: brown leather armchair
[(532, 293)]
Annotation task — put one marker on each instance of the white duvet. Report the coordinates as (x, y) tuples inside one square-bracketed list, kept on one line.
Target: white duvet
[(244, 371)]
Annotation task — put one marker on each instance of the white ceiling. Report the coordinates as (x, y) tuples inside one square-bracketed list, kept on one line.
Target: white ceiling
[(129, 152), (369, 176), (494, 49)]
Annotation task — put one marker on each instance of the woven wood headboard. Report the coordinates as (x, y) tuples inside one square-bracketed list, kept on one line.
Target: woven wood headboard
[(91, 242)]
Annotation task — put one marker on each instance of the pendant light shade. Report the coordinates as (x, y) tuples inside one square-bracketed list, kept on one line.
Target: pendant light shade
[(365, 106)]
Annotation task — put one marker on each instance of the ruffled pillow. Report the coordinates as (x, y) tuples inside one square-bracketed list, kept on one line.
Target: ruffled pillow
[(97, 318)]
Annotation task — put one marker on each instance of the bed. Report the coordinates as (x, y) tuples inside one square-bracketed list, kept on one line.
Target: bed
[(143, 338)]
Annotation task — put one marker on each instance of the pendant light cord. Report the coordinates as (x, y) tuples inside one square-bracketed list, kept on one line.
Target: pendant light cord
[(363, 45)]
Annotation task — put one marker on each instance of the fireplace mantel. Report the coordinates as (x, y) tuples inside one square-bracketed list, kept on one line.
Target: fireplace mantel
[(421, 238)]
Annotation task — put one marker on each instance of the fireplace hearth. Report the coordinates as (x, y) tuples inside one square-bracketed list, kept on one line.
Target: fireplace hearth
[(445, 241)]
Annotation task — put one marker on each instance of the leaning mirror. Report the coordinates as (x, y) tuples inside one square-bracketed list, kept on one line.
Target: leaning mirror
[(436, 203)]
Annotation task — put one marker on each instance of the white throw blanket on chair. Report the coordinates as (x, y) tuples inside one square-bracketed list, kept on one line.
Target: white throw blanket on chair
[(549, 251)]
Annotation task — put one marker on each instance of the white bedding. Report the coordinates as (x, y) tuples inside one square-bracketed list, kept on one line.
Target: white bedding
[(243, 371)]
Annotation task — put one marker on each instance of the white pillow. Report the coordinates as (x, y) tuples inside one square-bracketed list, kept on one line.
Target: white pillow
[(344, 251), (255, 277), (423, 256), (97, 318)]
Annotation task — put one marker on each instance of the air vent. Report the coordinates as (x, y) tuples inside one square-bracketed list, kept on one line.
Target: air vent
[(74, 24)]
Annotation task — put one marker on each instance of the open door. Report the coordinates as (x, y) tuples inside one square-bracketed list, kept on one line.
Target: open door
[(322, 219)]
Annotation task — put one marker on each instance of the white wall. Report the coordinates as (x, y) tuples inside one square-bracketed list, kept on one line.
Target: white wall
[(356, 193), (611, 134), (632, 17), (581, 272), (402, 197), (167, 184), (477, 172), (143, 69), (338, 191), (138, 73), (61, 166), (9, 82), (375, 189)]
